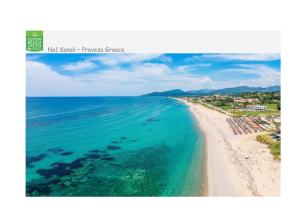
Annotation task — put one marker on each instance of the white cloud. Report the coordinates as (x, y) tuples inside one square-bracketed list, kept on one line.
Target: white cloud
[(42, 81), (266, 76), (148, 77), (193, 67), (242, 57), (117, 59), (139, 79), (79, 66)]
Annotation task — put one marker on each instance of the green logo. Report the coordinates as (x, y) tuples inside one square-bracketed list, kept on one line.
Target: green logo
[(34, 41)]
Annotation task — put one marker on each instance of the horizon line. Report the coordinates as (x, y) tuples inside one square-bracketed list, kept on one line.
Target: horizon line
[(154, 92)]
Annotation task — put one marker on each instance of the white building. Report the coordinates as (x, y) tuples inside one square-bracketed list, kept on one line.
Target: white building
[(256, 107)]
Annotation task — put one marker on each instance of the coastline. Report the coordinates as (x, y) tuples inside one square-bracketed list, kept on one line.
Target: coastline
[(204, 192), (228, 172)]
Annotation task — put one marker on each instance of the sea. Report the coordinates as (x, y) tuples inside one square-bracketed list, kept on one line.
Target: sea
[(112, 146)]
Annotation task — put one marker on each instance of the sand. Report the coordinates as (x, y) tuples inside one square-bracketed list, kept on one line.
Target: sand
[(237, 165)]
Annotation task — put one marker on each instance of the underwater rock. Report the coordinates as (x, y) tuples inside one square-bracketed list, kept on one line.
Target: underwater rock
[(113, 147), (59, 169), (59, 164), (66, 153), (34, 159), (40, 187), (77, 163), (95, 151), (55, 150), (107, 158), (37, 189), (151, 120), (93, 156)]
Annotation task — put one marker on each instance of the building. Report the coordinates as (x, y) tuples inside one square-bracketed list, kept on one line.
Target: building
[(253, 100), (205, 97), (239, 100), (242, 100), (224, 97), (256, 107)]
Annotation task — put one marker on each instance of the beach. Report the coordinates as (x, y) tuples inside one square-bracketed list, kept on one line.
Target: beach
[(236, 165)]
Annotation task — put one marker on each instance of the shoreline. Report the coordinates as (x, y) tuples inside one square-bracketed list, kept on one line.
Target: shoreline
[(204, 192), (228, 172)]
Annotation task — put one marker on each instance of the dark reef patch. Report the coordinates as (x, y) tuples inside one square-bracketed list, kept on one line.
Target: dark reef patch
[(34, 159), (55, 150), (137, 173), (95, 151), (113, 147), (39, 189), (152, 120), (75, 164), (107, 158), (59, 169), (66, 153), (93, 156), (62, 174)]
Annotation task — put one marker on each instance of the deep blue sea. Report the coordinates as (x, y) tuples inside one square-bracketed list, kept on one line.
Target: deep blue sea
[(112, 146)]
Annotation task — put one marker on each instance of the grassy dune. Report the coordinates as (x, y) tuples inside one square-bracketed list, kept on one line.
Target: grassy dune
[(273, 145)]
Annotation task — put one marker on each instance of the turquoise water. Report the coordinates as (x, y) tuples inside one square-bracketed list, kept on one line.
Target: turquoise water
[(112, 146)]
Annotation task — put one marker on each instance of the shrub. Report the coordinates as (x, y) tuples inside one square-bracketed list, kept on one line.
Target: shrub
[(273, 145)]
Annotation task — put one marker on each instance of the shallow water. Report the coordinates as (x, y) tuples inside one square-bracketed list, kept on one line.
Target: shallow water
[(112, 146)]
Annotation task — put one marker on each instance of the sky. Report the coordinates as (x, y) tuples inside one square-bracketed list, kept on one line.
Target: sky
[(137, 74)]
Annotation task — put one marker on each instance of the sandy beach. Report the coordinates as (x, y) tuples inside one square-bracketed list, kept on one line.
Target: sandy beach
[(236, 165)]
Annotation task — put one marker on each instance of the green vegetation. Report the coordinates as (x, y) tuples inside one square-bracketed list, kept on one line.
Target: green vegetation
[(194, 100), (273, 145), (226, 107), (252, 113), (272, 106), (270, 99), (237, 104), (227, 102), (263, 96)]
